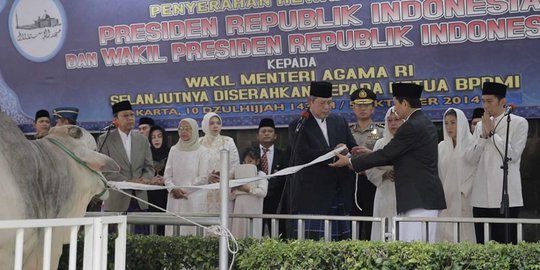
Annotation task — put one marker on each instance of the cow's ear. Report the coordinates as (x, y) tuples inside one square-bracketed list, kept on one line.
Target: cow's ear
[(97, 161), (75, 132)]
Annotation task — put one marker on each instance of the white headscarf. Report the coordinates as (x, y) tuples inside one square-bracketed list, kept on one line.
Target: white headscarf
[(387, 136), (452, 163), (385, 197), (193, 143), (205, 125), (464, 136)]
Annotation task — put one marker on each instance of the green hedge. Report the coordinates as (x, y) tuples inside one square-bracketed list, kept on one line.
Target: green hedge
[(156, 252)]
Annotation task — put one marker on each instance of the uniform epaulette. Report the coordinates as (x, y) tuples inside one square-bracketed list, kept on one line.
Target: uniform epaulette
[(380, 125)]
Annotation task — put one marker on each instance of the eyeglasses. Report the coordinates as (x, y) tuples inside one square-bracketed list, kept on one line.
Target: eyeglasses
[(184, 128)]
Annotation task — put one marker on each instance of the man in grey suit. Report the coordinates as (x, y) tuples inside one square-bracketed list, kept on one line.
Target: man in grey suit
[(132, 152), (414, 153)]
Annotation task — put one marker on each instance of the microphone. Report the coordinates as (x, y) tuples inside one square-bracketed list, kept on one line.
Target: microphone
[(109, 127), (303, 116), (509, 109)]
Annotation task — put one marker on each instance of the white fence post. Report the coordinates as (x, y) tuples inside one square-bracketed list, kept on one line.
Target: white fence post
[(47, 248), (19, 249), (73, 247), (95, 241), (104, 246), (120, 245), (88, 246), (97, 236)]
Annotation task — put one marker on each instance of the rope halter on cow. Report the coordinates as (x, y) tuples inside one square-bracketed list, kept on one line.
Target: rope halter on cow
[(82, 163)]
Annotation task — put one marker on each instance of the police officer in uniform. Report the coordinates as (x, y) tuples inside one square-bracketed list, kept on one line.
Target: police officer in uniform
[(66, 116), (365, 133)]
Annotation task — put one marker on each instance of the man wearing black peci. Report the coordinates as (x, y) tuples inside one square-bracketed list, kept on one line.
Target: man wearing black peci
[(320, 189), (42, 124), (414, 153), (272, 160), (132, 152), (488, 151)]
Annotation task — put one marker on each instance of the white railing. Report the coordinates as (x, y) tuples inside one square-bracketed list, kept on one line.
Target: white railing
[(153, 219), (389, 235), (456, 221), (95, 240)]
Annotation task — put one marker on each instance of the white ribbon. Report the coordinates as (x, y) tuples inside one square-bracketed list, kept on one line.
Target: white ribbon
[(232, 183)]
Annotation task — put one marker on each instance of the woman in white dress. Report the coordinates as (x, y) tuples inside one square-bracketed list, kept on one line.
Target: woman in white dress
[(384, 204), (456, 175), (248, 199), (187, 165), (214, 143)]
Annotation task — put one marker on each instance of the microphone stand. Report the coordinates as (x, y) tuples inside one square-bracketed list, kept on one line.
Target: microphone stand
[(285, 206), (505, 201), (105, 139), (298, 135)]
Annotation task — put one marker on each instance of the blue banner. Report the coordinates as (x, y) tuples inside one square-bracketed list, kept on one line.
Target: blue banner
[(251, 59)]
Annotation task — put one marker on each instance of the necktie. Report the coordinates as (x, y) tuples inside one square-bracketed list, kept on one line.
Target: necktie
[(264, 160)]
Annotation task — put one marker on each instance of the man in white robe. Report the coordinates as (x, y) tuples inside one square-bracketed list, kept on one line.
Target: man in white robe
[(488, 151)]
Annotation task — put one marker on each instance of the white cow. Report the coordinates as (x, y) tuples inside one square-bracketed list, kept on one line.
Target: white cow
[(39, 179)]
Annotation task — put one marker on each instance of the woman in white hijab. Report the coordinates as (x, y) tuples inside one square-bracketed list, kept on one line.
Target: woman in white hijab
[(384, 204), (187, 165), (456, 175), (215, 142)]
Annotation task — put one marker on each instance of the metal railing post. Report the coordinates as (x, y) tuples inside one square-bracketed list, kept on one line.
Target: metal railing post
[(224, 213), (486, 233), (327, 230), (275, 228), (354, 230), (519, 232), (383, 229), (300, 229), (395, 229)]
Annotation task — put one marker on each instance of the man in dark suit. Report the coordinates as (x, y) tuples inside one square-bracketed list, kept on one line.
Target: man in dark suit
[(414, 154), (320, 189), (272, 160)]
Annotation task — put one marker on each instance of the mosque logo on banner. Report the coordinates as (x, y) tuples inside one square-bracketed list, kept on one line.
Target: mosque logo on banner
[(37, 28)]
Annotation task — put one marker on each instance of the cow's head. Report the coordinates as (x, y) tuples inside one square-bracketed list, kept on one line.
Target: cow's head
[(82, 144)]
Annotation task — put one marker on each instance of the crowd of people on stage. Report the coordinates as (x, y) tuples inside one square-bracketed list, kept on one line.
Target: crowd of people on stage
[(399, 168)]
